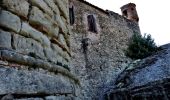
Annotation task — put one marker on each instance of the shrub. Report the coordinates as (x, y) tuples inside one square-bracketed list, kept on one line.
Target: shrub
[(140, 47)]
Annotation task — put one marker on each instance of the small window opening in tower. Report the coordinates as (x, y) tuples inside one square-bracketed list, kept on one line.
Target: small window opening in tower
[(137, 19), (92, 23), (132, 9), (125, 13), (71, 15)]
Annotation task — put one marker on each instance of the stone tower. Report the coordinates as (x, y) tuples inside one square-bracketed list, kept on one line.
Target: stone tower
[(129, 11)]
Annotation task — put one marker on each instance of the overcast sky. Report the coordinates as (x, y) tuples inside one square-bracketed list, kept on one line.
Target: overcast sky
[(154, 16)]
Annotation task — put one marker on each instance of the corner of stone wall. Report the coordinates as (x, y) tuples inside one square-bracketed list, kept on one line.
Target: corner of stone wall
[(35, 50)]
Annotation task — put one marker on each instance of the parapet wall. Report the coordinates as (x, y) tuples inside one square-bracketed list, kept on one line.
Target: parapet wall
[(35, 50)]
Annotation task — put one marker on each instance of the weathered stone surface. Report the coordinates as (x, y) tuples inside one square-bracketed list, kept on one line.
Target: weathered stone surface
[(31, 82), (37, 16), (12, 56), (148, 78), (53, 6), (35, 67), (30, 32), (43, 22), (57, 49), (42, 5), (55, 32), (7, 97), (10, 21), (62, 8), (62, 40), (67, 38), (155, 68), (61, 24), (5, 39), (19, 7), (66, 56), (28, 46), (30, 99), (58, 98), (64, 20), (52, 55), (66, 3), (66, 64), (61, 53)]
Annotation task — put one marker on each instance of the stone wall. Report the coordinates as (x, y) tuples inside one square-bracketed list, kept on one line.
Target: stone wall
[(35, 50), (99, 57)]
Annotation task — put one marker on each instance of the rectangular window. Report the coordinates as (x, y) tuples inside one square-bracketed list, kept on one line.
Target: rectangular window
[(71, 15), (92, 23)]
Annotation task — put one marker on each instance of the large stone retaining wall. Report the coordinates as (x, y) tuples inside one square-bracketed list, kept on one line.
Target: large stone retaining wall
[(35, 50)]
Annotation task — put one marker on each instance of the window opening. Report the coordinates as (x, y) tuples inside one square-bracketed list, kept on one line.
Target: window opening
[(125, 13), (91, 23), (71, 15)]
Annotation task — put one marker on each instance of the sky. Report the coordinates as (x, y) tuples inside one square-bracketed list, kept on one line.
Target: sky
[(154, 17)]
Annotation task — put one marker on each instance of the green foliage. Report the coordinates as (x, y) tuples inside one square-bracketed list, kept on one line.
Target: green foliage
[(141, 47)]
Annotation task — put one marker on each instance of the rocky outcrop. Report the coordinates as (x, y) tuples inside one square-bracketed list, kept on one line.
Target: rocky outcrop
[(146, 79)]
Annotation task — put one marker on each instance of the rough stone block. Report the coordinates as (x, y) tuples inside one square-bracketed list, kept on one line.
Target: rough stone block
[(57, 49), (42, 5), (32, 82), (67, 38), (52, 55), (66, 2), (56, 32), (61, 24), (58, 98), (53, 6), (62, 39), (30, 99), (63, 8), (64, 20), (66, 56), (28, 46), (10, 21), (42, 22), (7, 97), (66, 64), (19, 7), (5, 39), (30, 32)]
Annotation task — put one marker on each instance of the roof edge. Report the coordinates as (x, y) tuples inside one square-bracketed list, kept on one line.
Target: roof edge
[(88, 3)]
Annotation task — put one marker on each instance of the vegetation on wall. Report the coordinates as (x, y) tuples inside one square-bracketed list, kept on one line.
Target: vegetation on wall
[(141, 46)]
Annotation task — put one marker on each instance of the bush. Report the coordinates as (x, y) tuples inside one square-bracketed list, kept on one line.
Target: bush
[(141, 47)]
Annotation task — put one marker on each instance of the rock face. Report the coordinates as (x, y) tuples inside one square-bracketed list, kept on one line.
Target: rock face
[(148, 79), (35, 51)]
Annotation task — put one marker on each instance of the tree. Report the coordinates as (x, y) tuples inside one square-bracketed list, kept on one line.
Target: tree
[(141, 47)]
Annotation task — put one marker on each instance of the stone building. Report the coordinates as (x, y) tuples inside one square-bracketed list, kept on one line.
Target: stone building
[(98, 42), (129, 11), (62, 49)]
